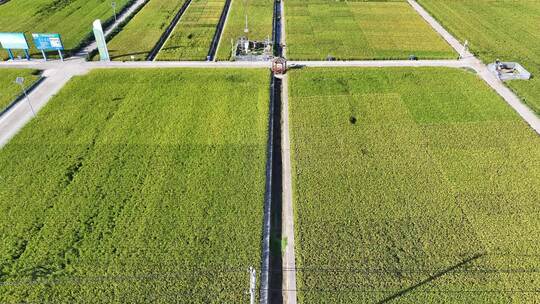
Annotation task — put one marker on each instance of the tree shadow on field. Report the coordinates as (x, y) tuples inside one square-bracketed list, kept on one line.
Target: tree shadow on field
[(430, 278)]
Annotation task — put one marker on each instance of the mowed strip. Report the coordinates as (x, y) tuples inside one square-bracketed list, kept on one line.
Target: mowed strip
[(143, 32), (317, 29), (259, 14), (412, 189), (9, 89), (508, 30), (137, 186), (193, 35), (72, 19)]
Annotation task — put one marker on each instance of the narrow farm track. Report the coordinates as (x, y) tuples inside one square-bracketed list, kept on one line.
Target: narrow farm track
[(472, 62), (121, 18)]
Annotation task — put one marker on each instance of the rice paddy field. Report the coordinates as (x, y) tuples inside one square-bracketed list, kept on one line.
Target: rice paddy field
[(509, 30), (345, 30), (259, 12), (193, 35), (130, 190), (143, 31), (410, 190), (9, 89), (72, 19)]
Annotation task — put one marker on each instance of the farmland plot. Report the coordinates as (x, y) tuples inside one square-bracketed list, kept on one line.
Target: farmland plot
[(142, 33), (72, 19), (130, 190), (359, 30), (259, 12), (9, 89), (193, 35), (408, 189), (509, 30)]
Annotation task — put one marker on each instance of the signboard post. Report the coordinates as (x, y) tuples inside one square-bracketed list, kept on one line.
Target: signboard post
[(101, 42), (14, 41), (48, 42)]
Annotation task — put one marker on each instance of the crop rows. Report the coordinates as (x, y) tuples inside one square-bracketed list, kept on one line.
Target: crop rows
[(192, 37), (359, 30), (509, 30), (259, 12), (142, 33), (408, 188), (137, 186), (9, 89), (72, 19)]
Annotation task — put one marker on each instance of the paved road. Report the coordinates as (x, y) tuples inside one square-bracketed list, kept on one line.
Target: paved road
[(471, 61)]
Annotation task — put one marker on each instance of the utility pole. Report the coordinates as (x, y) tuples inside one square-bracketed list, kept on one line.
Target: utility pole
[(20, 81), (252, 285)]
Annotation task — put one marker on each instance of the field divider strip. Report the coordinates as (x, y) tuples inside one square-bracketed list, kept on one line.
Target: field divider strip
[(224, 26), (165, 36), (289, 255), (219, 30)]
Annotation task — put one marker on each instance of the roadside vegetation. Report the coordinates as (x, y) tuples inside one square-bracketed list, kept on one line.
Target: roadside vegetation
[(142, 33), (137, 186), (317, 29), (260, 14), (72, 19), (9, 90), (506, 30), (193, 35), (411, 189)]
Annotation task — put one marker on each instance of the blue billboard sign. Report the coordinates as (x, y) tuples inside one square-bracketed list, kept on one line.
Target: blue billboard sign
[(48, 42), (13, 41)]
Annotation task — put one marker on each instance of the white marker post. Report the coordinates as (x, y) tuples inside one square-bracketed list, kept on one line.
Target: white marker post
[(101, 42)]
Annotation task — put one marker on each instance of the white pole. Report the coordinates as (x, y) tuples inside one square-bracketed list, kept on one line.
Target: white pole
[(28, 100)]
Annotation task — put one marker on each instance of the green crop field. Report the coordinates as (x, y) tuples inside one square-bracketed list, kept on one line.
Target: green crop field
[(317, 29), (259, 12), (72, 19), (142, 33), (508, 30), (193, 35), (9, 89), (412, 190), (137, 186)]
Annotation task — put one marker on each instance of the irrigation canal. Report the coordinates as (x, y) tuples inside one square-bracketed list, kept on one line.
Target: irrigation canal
[(165, 36)]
